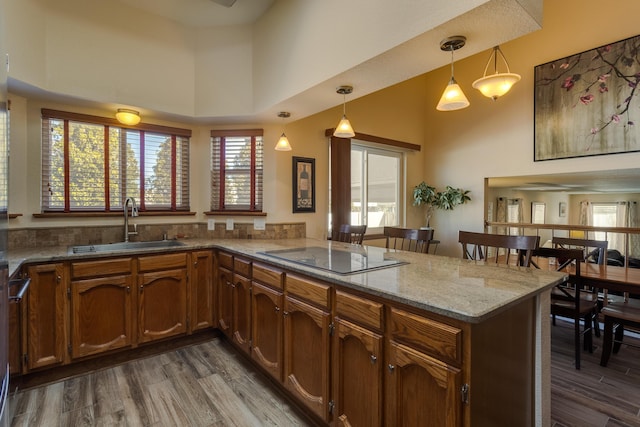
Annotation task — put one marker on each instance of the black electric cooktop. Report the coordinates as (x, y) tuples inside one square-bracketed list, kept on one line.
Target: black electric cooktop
[(358, 259)]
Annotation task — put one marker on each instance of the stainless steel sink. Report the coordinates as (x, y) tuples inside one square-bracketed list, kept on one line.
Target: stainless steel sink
[(124, 246)]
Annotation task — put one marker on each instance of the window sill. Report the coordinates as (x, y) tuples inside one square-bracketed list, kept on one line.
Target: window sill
[(235, 213), (108, 214)]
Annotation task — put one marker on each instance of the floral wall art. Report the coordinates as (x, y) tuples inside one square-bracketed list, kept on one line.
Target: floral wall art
[(587, 104)]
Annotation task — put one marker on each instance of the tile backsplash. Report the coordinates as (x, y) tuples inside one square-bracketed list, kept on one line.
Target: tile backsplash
[(67, 236)]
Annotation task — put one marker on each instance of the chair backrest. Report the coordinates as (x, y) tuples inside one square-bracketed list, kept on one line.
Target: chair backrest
[(563, 257), (476, 246), (408, 239), (596, 249), (351, 233)]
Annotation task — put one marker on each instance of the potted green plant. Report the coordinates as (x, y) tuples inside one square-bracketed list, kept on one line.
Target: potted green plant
[(448, 199)]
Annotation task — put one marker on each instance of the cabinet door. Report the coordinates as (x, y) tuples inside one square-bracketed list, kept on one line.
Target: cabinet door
[(241, 325), (306, 354), (421, 390), (266, 322), (101, 315), (46, 337), (201, 297), (162, 304), (225, 300), (357, 375)]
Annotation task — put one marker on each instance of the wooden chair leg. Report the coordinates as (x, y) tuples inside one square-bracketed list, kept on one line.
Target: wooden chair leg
[(576, 340), (607, 341), (596, 323), (618, 336), (588, 338)]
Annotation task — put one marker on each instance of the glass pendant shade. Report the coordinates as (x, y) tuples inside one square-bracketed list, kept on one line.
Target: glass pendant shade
[(128, 117), (283, 143), (452, 98), (344, 129), (495, 85)]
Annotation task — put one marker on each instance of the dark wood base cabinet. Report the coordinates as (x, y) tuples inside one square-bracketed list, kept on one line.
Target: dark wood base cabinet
[(353, 359), (81, 309)]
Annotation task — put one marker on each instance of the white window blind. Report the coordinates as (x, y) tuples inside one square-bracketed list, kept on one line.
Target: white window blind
[(236, 171), (94, 165)]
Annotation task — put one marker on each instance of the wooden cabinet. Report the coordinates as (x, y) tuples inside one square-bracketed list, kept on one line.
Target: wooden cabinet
[(162, 296), (224, 289), (358, 361), (306, 342), (46, 333), (201, 291), (102, 311), (423, 387), (266, 319), (241, 299)]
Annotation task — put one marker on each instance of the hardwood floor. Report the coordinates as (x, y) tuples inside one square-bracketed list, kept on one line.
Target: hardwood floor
[(209, 384), (201, 385), (593, 396)]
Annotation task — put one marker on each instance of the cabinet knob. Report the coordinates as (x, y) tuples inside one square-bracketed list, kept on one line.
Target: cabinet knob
[(141, 286), (373, 358), (277, 308), (128, 288), (285, 313), (58, 278), (391, 368)]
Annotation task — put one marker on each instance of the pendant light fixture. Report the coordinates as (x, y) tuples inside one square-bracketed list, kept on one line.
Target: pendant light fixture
[(453, 98), (496, 84), (283, 142), (128, 117), (344, 129)]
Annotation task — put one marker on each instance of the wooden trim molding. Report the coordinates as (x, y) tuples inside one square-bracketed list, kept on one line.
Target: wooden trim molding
[(378, 140), (107, 214), (235, 213)]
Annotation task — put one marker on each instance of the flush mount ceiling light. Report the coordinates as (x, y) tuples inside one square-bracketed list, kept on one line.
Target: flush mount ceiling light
[(496, 84), (344, 129), (128, 117), (283, 142), (453, 98)]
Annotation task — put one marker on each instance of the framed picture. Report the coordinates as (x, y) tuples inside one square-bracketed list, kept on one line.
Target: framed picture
[(562, 209), (304, 184), (587, 104)]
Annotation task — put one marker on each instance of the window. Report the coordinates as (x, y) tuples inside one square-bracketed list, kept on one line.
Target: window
[(93, 164), (236, 170), (376, 178)]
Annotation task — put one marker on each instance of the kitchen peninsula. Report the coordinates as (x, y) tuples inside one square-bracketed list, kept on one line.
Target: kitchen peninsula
[(406, 338)]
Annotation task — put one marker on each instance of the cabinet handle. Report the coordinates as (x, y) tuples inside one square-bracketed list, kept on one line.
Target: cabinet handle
[(285, 313), (195, 264), (277, 308), (141, 286), (128, 289), (58, 279), (373, 358), (391, 368)]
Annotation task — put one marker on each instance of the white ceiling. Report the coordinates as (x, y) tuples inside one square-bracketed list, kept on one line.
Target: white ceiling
[(204, 13), (612, 181)]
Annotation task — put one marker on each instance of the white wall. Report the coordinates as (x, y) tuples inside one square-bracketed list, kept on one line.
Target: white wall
[(494, 139)]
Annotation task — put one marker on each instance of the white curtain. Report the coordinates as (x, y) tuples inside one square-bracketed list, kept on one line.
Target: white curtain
[(634, 239), (586, 213)]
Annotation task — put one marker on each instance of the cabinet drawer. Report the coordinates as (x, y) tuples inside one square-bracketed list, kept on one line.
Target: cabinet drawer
[(267, 276), (225, 260), (314, 292), (101, 268), (162, 262), (438, 339), (363, 311), (242, 267)]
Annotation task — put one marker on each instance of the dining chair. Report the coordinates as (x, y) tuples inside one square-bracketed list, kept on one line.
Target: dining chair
[(498, 248), (568, 298), (594, 251), (351, 233), (617, 316), (408, 239)]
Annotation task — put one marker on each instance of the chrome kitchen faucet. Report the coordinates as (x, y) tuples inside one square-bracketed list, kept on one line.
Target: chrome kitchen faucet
[(134, 213)]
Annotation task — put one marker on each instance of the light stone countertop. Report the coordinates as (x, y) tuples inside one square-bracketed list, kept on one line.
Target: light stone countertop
[(465, 290)]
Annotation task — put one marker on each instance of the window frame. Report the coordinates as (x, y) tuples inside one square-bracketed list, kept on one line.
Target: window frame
[(108, 124), (218, 172)]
